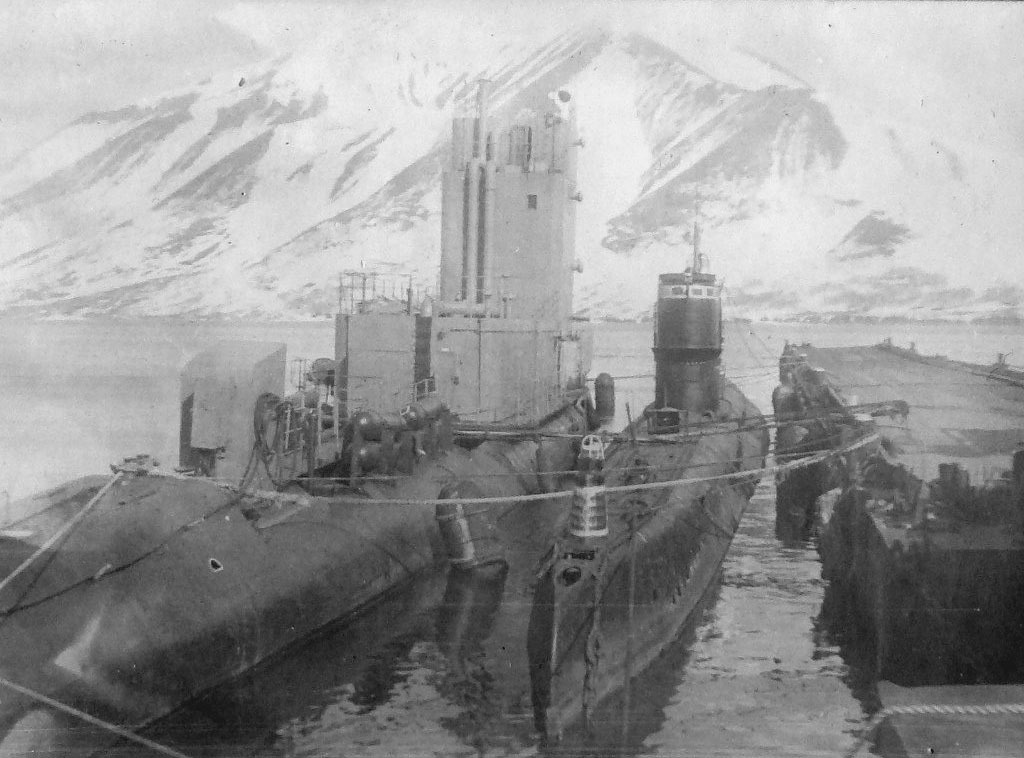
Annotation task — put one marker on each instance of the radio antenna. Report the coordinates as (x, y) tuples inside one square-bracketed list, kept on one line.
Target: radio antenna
[(697, 263)]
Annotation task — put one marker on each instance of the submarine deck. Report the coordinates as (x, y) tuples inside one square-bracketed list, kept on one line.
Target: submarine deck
[(959, 413)]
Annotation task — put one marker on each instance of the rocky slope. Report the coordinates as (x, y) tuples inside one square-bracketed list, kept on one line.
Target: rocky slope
[(248, 195)]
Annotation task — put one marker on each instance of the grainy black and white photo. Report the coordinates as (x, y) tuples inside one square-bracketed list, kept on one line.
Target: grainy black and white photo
[(575, 378)]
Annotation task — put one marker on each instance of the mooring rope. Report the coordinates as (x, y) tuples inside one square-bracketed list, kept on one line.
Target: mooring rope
[(929, 709), (777, 468), (106, 725), (60, 533), (782, 467)]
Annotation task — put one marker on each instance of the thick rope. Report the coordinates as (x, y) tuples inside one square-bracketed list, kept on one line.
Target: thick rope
[(799, 463), (925, 709), (113, 728), (60, 533), (795, 464)]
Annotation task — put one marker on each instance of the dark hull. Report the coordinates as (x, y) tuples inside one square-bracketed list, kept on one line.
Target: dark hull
[(172, 585), (948, 614), (643, 583), (356, 654), (797, 492)]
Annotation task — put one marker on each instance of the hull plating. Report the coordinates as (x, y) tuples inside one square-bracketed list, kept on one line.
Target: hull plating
[(171, 586), (639, 587)]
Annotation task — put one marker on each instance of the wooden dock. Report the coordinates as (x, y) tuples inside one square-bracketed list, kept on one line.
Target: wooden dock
[(931, 560), (959, 413)]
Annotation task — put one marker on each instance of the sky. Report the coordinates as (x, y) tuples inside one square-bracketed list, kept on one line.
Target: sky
[(957, 64)]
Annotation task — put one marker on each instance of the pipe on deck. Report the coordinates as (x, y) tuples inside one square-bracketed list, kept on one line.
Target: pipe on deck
[(487, 249), (472, 231)]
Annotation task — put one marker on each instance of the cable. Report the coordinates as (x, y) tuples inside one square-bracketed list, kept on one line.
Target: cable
[(992, 709), (106, 725), (805, 461), (57, 536), (229, 503)]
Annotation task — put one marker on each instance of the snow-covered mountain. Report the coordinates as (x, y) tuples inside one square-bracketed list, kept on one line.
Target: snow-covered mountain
[(247, 195)]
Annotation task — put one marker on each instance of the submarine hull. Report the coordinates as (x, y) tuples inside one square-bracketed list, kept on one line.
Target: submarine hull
[(133, 617), (605, 608)]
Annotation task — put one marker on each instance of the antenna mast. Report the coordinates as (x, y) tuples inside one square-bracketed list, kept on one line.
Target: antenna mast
[(697, 262), (696, 249)]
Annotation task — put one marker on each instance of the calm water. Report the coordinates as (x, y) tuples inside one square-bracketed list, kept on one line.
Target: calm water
[(428, 672)]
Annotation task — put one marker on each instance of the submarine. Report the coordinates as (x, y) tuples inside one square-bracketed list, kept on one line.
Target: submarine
[(456, 429), (812, 418), (652, 517), (301, 500)]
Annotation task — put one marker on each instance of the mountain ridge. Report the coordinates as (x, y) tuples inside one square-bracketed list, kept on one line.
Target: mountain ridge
[(249, 196)]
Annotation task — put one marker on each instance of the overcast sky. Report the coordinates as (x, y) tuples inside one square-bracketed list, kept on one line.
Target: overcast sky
[(923, 62)]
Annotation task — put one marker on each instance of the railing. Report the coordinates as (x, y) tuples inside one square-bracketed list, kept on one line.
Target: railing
[(359, 290), (390, 401), (539, 404), (299, 370), (424, 388), (369, 392)]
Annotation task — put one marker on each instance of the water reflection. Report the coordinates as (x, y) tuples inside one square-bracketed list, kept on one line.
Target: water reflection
[(762, 677), (919, 637), (483, 676), (621, 723), (840, 624), (318, 694), (440, 667)]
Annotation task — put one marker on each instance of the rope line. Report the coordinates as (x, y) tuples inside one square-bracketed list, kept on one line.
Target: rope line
[(957, 710), (929, 709), (766, 470), (796, 452), (113, 728), (806, 461), (694, 431), (65, 529)]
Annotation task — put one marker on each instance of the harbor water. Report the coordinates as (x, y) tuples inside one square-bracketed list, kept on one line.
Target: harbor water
[(769, 668)]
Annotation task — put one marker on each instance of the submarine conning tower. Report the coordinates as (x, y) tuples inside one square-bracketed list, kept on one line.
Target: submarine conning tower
[(688, 339), (509, 212), (496, 341)]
